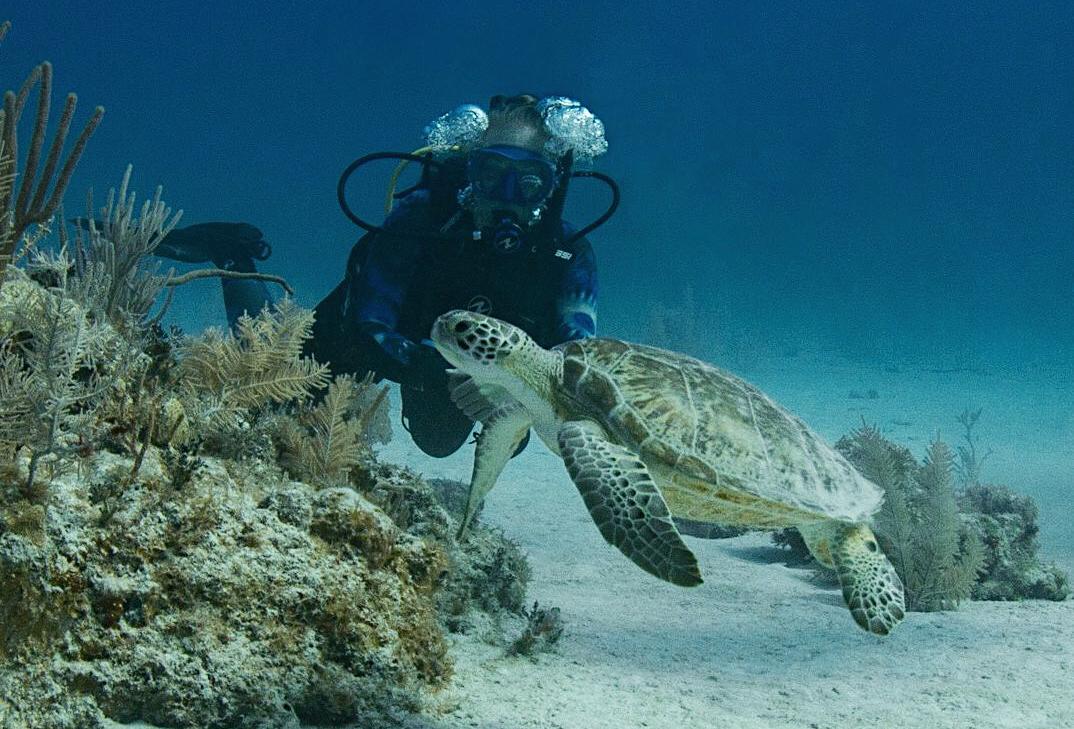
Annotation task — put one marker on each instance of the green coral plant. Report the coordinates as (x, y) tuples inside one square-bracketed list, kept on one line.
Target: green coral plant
[(978, 541), (326, 441), (937, 556)]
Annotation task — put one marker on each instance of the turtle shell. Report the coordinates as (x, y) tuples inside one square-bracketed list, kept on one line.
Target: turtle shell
[(708, 429)]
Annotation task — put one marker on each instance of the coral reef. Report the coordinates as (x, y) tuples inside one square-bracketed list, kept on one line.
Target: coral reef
[(159, 560), (488, 572), (1006, 524), (205, 608), (948, 545)]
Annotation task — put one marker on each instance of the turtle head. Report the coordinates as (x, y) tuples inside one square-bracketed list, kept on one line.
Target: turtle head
[(493, 352), (479, 345)]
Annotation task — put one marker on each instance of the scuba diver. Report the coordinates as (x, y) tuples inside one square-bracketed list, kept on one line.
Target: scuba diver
[(481, 230)]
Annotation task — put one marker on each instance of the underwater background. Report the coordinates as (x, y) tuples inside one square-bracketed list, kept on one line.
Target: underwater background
[(890, 187)]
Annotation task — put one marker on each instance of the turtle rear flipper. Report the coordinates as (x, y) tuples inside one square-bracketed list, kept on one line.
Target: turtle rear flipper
[(871, 587), (625, 503)]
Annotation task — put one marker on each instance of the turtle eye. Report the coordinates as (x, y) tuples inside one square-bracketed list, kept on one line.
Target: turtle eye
[(870, 545)]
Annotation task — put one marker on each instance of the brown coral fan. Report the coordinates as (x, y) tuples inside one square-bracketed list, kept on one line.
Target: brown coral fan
[(324, 443)]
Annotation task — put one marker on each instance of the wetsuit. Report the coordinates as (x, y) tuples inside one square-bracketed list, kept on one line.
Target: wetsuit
[(397, 284)]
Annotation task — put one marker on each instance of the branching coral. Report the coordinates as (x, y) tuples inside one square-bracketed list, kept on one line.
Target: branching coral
[(28, 204), (227, 379), (57, 365), (261, 363), (970, 459), (947, 556), (111, 277)]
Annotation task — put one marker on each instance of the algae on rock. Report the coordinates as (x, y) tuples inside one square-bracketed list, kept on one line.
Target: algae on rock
[(243, 599)]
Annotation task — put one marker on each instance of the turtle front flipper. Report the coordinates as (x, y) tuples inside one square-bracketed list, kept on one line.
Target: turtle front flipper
[(500, 435), (479, 402), (625, 503), (871, 587)]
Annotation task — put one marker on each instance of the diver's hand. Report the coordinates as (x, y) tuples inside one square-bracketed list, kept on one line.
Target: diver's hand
[(400, 349), (418, 366)]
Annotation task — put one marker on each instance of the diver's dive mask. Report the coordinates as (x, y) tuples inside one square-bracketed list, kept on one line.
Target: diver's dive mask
[(504, 174)]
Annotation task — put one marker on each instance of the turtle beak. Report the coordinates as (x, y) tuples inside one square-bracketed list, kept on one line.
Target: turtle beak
[(444, 334)]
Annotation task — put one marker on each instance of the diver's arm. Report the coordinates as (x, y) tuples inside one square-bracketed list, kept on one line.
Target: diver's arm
[(576, 301), (383, 283)]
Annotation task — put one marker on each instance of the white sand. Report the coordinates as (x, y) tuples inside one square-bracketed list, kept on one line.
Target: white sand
[(761, 644)]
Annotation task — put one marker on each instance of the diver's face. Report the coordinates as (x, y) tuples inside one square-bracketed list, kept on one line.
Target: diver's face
[(509, 180)]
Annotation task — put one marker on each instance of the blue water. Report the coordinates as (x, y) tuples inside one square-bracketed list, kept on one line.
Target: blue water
[(892, 184)]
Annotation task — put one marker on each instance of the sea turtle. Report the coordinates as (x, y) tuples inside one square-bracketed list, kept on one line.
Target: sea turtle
[(646, 434)]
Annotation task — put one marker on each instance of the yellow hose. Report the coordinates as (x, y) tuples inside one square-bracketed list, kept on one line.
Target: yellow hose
[(390, 200)]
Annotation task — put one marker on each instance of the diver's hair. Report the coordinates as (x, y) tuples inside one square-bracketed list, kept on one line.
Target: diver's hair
[(517, 116), (521, 109)]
